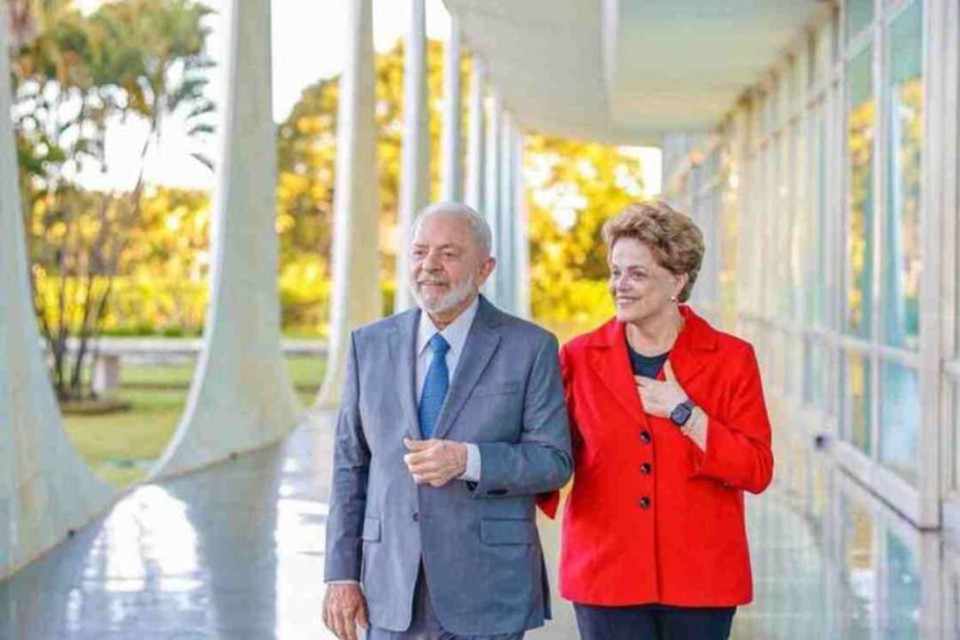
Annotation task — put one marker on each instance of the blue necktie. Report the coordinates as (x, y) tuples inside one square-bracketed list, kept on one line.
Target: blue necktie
[(434, 386)]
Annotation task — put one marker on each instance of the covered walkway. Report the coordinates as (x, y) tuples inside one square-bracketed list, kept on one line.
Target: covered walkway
[(236, 552)]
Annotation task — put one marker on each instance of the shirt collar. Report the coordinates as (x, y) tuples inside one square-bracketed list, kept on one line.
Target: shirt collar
[(454, 333)]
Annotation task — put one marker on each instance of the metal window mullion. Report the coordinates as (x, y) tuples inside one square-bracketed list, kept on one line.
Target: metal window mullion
[(878, 184)]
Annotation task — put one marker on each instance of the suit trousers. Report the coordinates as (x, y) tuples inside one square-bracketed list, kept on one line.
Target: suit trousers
[(425, 625), (654, 622)]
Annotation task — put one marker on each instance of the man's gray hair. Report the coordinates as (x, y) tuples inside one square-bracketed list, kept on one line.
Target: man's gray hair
[(478, 224)]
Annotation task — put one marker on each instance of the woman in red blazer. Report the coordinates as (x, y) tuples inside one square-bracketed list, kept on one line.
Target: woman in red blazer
[(669, 429)]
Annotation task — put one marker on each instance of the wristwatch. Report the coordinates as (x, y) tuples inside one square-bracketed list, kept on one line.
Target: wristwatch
[(682, 412)]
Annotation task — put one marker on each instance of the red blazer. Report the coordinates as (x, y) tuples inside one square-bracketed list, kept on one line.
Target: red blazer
[(651, 518)]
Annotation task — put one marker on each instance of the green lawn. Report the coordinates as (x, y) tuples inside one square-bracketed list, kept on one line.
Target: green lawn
[(122, 447)]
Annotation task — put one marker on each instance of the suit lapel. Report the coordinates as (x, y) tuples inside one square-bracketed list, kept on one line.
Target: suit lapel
[(403, 340), (481, 344)]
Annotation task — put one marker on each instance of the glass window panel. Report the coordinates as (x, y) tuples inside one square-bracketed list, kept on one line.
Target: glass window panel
[(855, 388), (859, 15), (814, 242), (794, 368), (822, 53), (814, 371), (768, 221), (901, 271), (858, 565), (955, 389), (800, 67), (861, 120), (899, 419), (903, 590), (788, 91), (784, 213), (730, 224), (800, 212), (771, 104)]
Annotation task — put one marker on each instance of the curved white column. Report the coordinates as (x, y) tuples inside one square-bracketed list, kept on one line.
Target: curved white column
[(491, 190), (46, 488), (476, 143), (451, 179), (356, 263), (521, 230), (241, 397), (506, 284), (415, 156)]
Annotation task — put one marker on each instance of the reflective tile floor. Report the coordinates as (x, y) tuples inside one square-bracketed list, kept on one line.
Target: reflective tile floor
[(236, 552)]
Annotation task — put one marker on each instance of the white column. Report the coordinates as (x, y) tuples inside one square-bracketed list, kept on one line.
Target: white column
[(46, 489), (452, 171), (506, 285), (521, 230), (241, 397), (491, 191), (476, 156), (415, 159), (356, 296)]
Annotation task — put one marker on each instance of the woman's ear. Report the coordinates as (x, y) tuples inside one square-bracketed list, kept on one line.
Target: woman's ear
[(682, 281)]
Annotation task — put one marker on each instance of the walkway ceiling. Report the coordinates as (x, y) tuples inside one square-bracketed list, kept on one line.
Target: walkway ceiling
[(627, 71)]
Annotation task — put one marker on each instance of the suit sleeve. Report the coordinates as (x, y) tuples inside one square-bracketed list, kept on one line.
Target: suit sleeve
[(550, 502), (351, 464), (540, 461), (738, 450)]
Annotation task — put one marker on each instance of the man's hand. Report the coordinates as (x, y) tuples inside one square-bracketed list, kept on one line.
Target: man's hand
[(660, 398), (344, 607), (435, 462)]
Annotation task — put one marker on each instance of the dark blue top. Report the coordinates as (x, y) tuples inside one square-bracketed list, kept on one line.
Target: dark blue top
[(646, 366)]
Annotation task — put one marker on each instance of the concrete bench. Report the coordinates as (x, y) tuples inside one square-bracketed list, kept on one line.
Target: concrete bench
[(111, 352)]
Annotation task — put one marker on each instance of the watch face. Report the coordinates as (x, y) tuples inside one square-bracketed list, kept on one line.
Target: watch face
[(681, 414)]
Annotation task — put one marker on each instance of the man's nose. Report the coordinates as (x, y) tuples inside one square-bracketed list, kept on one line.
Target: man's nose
[(431, 261)]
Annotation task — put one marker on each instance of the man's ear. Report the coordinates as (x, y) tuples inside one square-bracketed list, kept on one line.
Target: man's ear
[(486, 268)]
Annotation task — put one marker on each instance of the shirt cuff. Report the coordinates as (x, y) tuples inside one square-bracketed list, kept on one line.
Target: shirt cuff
[(472, 472), (343, 582)]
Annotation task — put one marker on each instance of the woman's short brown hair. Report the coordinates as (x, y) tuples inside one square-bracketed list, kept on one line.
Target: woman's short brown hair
[(673, 237)]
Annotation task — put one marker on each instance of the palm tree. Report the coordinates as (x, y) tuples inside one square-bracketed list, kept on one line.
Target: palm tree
[(76, 74)]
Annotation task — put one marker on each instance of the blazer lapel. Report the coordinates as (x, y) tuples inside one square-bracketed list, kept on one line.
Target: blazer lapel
[(696, 336), (482, 342), (611, 364), (403, 342)]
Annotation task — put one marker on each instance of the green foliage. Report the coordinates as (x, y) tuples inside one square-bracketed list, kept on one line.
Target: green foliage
[(73, 75), (123, 447), (572, 188), (161, 280)]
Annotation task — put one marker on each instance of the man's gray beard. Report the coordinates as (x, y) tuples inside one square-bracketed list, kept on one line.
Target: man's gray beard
[(448, 301)]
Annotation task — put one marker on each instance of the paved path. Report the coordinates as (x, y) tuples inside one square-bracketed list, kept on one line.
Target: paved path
[(236, 552)]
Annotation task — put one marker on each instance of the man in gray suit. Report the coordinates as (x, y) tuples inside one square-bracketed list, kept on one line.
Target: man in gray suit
[(452, 420)]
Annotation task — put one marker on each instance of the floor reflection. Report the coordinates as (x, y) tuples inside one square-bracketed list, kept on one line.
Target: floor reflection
[(236, 552)]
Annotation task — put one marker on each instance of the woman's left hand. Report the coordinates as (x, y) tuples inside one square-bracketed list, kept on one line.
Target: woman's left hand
[(660, 398)]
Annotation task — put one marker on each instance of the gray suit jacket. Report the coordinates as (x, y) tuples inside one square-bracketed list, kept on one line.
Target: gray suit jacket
[(478, 541)]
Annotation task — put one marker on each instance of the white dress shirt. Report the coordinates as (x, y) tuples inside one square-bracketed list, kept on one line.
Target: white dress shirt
[(455, 334)]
